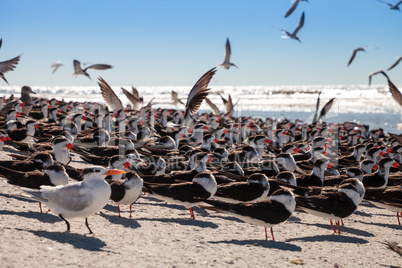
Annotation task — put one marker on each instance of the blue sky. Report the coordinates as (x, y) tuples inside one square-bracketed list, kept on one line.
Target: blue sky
[(174, 42)]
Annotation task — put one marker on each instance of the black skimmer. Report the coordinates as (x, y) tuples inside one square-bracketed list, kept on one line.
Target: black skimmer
[(316, 178), (61, 150), (52, 175), (293, 7), (380, 177), (175, 98), (188, 194), (277, 209), (293, 35), (392, 6), (354, 54), (226, 62), (40, 160), (56, 65), (389, 198), (127, 190), (9, 65), (77, 199), (332, 205), (256, 188), (79, 71), (26, 134)]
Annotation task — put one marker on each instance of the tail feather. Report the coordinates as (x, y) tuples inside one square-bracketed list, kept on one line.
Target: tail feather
[(33, 194)]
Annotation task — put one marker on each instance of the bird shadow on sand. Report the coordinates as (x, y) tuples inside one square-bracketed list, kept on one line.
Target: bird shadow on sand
[(386, 225), (183, 221), (18, 197), (42, 217), (330, 238), (342, 228), (79, 241), (261, 243), (125, 222)]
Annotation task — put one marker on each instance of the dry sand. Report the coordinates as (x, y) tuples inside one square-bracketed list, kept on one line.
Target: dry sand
[(163, 235)]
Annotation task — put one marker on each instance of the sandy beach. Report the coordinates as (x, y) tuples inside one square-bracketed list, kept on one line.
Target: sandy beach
[(163, 235)]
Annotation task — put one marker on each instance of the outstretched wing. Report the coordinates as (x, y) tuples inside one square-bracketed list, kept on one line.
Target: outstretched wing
[(99, 67), (395, 63), (198, 93), (9, 65), (109, 96), (214, 108), (301, 23), (396, 94), (326, 108), (292, 8)]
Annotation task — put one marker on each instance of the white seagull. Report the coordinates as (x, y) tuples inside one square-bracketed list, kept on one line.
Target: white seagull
[(294, 34), (226, 62), (55, 66), (6, 66), (78, 70), (78, 199)]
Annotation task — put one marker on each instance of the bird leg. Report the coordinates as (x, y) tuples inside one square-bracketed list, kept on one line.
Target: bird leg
[(68, 224), (272, 234), (266, 235), (342, 222), (87, 225), (118, 209), (130, 211), (337, 225), (397, 216), (40, 208), (333, 228), (192, 213)]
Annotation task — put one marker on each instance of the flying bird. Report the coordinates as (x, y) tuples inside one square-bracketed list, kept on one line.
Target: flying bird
[(226, 62), (56, 66), (6, 66), (354, 54), (294, 34), (391, 6), (395, 63), (377, 72), (79, 71), (293, 7)]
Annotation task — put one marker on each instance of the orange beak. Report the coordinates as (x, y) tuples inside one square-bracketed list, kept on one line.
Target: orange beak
[(113, 172)]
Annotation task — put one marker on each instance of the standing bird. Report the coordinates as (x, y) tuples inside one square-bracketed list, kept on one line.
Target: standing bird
[(56, 66), (267, 213), (78, 70), (6, 66), (294, 34), (396, 62), (354, 54), (78, 199), (226, 62)]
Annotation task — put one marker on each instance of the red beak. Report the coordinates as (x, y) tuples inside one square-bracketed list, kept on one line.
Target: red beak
[(382, 154), (70, 146), (209, 159), (127, 165), (216, 140), (268, 141), (296, 150), (330, 165), (395, 165), (375, 167)]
